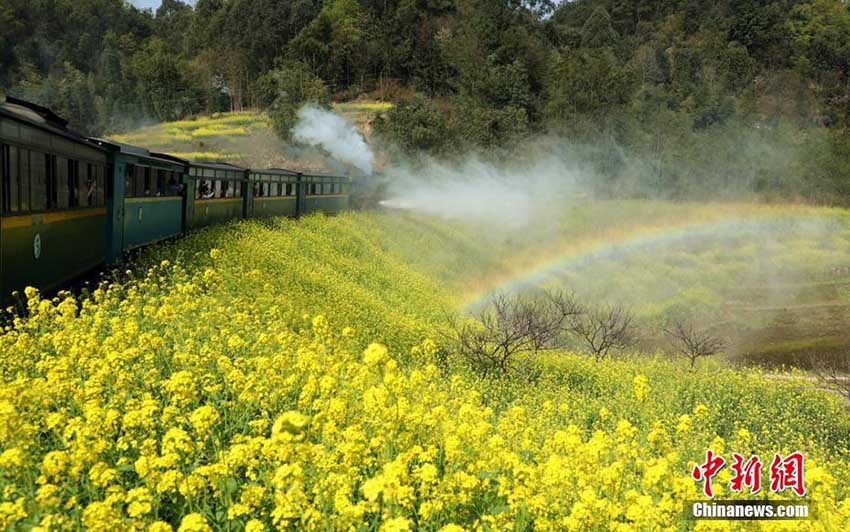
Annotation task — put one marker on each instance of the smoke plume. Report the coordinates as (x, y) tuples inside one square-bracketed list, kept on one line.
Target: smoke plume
[(510, 195), (318, 127)]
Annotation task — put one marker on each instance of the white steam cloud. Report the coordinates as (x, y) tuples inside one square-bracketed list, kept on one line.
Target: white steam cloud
[(318, 127), (508, 197)]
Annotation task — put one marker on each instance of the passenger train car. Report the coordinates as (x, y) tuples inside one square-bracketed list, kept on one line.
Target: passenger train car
[(69, 204)]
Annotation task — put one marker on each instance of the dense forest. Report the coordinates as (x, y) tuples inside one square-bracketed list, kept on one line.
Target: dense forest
[(657, 95)]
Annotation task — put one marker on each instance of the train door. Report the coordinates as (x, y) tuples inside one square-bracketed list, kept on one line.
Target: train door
[(189, 196), (248, 196), (247, 205), (115, 209), (127, 184)]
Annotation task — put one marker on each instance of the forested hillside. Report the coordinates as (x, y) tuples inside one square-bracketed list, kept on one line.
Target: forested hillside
[(659, 90)]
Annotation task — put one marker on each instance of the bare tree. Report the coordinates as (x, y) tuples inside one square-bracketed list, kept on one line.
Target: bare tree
[(602, 329), (691, 342), (510, 326), (832, 375)]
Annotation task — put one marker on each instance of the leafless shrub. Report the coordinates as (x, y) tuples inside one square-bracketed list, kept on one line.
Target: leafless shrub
[(832, 376), (692, 342), (508, 327), (494, 340), (603, 329)]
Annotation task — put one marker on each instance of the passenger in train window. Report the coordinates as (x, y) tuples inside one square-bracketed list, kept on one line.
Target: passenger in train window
[(174, 189), (147, 181), (90, 190)]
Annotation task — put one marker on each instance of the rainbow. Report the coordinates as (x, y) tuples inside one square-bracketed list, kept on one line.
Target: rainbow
[(584, 252)]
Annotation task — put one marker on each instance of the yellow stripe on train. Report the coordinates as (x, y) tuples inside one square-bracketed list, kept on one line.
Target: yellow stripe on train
[(28, 220)]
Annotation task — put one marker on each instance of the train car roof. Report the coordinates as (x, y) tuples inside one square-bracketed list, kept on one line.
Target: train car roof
[(273, 171), (319, 174), (217, 165), (168, 157), (40, 117), (120, 147)]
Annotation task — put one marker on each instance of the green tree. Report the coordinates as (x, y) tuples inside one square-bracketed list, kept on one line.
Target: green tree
[(597, 32), (415, 124), (163, 91), (294, 85), (333, 43)]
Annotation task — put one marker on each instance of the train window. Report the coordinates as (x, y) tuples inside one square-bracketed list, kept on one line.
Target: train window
[(73, 172), (88, 187), (99, 186), (61, 180), (52, 181), (38, 181), (5, 178), (174, 187), (148, 184), (24, 169), (12, 203), (130, 181), (139, 181)]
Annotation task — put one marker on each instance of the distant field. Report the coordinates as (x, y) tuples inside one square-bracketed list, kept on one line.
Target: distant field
[(773, 280), (242, 138), (215, 137)]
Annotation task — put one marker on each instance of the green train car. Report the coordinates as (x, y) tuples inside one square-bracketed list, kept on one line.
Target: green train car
[(147, 200), (215, 193), (69, 204), (325, 192), (53, 200), (274, 193)]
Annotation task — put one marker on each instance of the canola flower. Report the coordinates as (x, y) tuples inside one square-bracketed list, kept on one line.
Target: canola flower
[(199, 395)]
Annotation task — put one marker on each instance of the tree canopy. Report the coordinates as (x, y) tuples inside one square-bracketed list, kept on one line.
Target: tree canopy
[(495, 71)]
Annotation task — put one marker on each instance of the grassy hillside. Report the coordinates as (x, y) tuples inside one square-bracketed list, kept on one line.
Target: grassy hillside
[(285, 375), (244, 138)]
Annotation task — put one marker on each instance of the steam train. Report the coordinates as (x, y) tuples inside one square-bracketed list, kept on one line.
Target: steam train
[(69, 204)]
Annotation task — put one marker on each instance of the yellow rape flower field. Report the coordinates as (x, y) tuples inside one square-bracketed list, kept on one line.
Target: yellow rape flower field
[(291, 376)]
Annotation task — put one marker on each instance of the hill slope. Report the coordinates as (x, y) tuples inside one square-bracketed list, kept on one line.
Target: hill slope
[(245, 139), (235, 383)]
